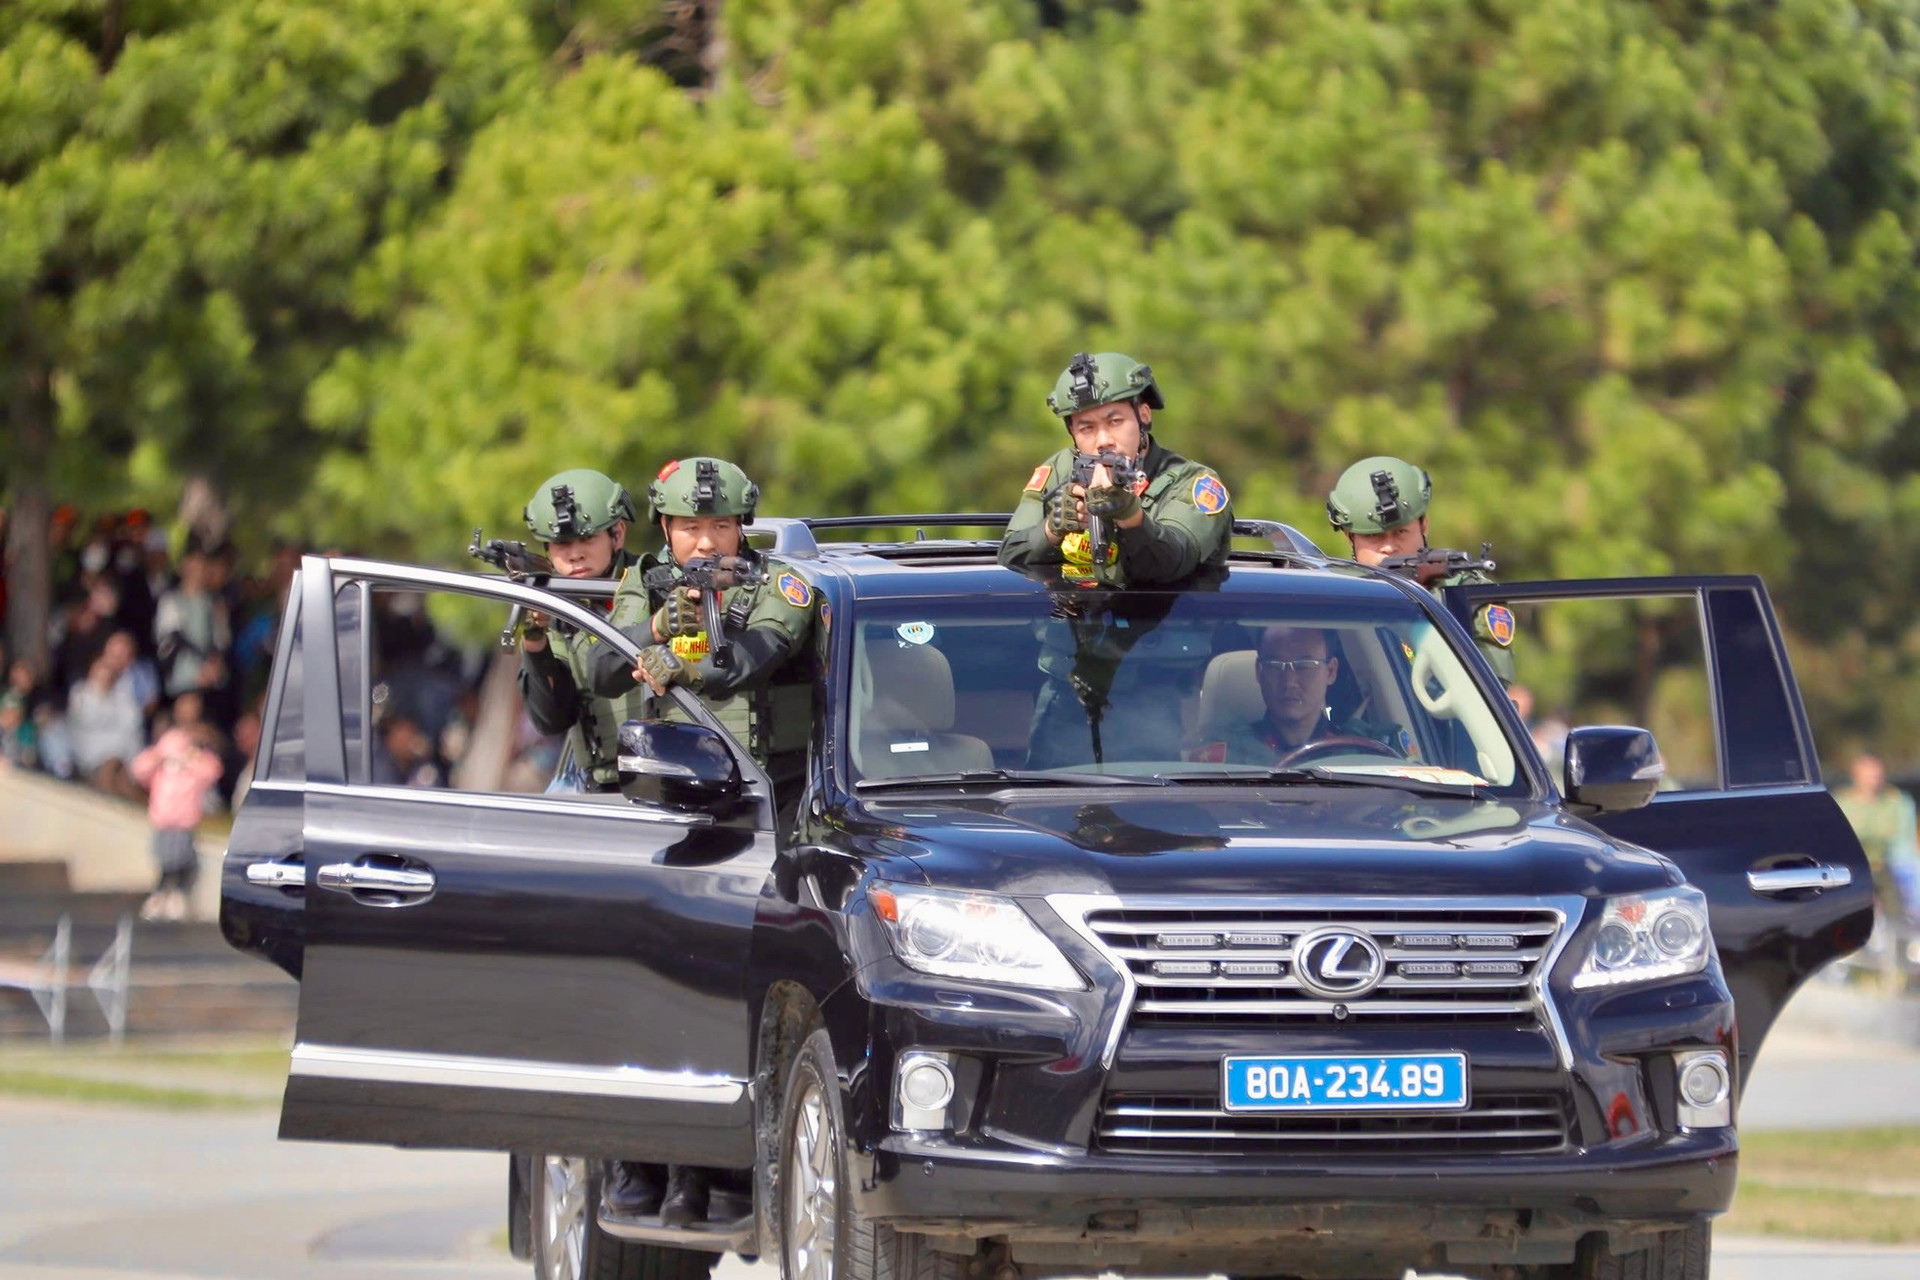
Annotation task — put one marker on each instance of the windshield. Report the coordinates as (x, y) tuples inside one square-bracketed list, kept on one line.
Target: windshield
[(1173, 687)]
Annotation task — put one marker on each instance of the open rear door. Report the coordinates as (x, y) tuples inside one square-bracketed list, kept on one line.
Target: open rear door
[(1699, 661), (486, 968)]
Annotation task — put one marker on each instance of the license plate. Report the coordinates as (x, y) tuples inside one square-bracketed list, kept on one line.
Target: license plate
[(1346, 1082)]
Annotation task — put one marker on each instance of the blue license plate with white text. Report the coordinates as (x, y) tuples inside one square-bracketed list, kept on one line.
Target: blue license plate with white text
[(1346, 1082)]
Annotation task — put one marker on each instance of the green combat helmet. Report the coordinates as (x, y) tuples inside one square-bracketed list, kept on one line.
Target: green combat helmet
[(703, 487), (1091, 381), (576, 504), (1377, 494)]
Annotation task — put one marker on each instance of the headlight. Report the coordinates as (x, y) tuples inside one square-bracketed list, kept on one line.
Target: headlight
[(1648, 936), (970, 935)]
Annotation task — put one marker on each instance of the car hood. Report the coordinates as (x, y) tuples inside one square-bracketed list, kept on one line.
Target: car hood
[(1253, 840)]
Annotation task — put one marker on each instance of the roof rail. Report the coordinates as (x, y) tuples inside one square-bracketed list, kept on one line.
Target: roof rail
[(793, 536), (941, 519)]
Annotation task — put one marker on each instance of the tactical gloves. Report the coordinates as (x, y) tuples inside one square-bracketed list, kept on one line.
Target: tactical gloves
[(1063, 514), (679, 616), (1112, 503), (662, 669)]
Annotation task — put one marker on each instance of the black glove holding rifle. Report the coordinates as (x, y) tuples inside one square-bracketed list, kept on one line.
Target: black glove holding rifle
[(692, 592)]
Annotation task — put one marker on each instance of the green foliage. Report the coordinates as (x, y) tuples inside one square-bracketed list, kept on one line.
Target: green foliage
[(189, 193), (1634, 278)]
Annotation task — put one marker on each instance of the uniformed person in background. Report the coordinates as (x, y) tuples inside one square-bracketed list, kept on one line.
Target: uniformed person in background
[(1166, 519), (1381, 503), (582, 517)]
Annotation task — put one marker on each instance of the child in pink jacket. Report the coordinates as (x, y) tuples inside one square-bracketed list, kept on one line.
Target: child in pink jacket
[(177, 773)]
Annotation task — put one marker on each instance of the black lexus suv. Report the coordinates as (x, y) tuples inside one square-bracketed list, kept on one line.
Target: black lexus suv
[(1019, 956)]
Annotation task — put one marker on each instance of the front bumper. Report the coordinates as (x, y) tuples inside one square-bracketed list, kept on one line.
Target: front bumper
[(1065, 1215), (920, 1182)]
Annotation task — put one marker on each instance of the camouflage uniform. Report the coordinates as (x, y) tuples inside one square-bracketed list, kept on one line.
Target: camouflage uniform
[(769, 621), (1189, 517), (554, 681), (1380, 494)]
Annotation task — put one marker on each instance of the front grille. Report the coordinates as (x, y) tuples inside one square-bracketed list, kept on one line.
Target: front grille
[(1236, 964), (1500, 1124)]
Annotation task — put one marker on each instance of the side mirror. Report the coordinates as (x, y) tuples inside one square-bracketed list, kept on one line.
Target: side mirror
[(673, 763), (1612, 767)]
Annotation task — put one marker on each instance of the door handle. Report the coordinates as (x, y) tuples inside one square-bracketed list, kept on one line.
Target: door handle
[(1789, 879), (277, 875), (364, 877)]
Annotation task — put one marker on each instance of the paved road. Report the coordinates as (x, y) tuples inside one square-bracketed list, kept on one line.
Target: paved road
[(99, 1193)]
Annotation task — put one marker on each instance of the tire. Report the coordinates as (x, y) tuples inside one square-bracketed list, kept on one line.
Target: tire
[(822, 1237), (1685, 1254), (568, 1244)]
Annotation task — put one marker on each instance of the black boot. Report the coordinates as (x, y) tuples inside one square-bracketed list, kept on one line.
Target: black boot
[(631, 1189), (686, 1202)]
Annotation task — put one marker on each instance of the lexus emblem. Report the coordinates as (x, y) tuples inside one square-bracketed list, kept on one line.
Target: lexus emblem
[(1338, 964)]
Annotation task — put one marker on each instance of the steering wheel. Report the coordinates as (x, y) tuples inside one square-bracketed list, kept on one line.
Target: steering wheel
[(1336, 745)]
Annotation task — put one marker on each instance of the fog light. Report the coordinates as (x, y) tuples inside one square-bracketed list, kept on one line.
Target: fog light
[(925, 1087), (1706, 1089)]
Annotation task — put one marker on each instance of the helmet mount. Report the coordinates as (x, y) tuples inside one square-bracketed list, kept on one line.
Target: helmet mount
[(1387, 498)]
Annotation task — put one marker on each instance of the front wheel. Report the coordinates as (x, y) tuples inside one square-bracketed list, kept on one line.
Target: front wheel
[(568, 1243), (822, 1237), (1685, 1254)]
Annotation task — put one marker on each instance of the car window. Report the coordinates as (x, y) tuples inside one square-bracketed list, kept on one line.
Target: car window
[(286, 756), (1633, 660), (1761, 734), (1180, 684), (430, 699)]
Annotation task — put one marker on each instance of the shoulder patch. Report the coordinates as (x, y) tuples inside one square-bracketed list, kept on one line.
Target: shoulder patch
[(1210, 495), (1498, 621), (794, 589), (1038, 480)]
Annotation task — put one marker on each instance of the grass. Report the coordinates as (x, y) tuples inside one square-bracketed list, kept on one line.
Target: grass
[(1839, 1184), (244, 1073), (65, 1088)]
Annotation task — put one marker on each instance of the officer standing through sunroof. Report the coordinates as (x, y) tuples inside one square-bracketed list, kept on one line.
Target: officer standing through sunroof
[(1114, 507)]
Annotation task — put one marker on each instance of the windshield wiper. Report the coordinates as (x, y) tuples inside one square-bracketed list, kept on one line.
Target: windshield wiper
[(1319, 776), (1044, 777)]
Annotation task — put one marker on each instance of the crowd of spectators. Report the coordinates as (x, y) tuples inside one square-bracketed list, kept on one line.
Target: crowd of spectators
[(147, 634)]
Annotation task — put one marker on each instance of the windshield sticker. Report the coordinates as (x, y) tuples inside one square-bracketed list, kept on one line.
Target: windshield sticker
[(914, 632), (900, 748)]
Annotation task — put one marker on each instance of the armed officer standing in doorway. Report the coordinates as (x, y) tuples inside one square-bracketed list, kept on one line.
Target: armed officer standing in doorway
[(764, 615), (582, 517), (1114, 508), (1381, 503)]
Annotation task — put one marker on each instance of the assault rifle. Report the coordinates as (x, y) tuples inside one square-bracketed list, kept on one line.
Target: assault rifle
[(521, 564), (709, 575), (1124, 473), (1428, 565)]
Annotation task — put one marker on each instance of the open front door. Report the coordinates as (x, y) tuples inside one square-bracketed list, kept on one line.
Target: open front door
[(490, 969), (1700, 662)]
